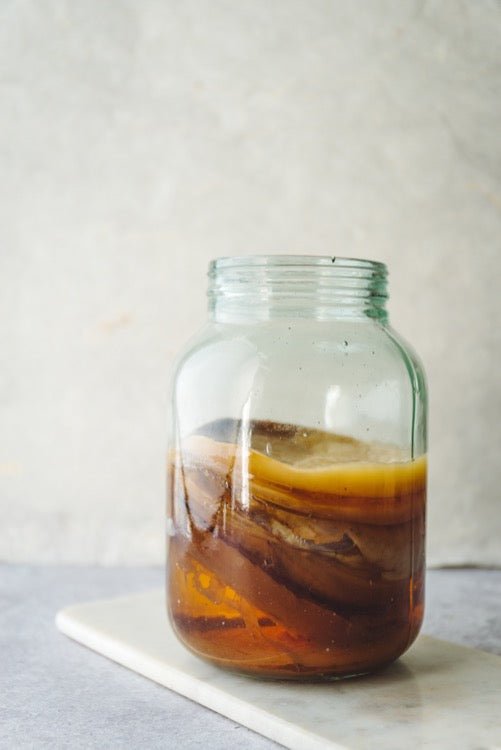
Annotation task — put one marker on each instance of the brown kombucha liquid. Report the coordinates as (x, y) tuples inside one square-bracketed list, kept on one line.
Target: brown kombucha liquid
[(295, 553)]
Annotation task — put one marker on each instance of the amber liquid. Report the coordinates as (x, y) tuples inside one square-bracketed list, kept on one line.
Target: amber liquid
[(295, 553)]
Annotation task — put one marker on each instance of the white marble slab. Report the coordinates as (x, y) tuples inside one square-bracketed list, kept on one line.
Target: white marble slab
[(438, 696)]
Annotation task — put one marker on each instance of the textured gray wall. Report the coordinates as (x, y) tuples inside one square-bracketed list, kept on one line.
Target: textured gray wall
[(139, 139)]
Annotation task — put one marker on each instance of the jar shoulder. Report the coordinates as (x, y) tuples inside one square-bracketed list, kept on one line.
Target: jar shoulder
[(281, 342), (361, 380)]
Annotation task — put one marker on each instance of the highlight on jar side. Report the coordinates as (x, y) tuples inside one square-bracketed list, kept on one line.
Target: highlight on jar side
[(297, 474)]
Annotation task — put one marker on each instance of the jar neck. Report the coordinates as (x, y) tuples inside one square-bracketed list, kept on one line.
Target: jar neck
[(265, 287)]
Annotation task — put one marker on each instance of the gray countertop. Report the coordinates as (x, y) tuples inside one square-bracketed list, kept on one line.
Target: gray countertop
[(58, 694)]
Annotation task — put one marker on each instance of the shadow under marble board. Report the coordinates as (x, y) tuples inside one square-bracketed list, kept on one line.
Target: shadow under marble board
[(437, 696)]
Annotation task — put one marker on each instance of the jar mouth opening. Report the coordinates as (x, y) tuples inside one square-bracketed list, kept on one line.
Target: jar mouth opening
[(291, 261)]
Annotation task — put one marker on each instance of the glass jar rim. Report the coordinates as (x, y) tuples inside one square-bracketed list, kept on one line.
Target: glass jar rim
[(289, 261)]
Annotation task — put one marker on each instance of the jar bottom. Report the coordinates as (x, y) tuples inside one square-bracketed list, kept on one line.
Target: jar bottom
[(294, 670), (228, 631)]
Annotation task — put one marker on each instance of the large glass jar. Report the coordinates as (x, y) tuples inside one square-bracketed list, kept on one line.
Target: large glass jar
[(297, 473)]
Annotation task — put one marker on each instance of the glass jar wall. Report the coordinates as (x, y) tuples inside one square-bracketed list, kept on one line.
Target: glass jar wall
[(297, 473)]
